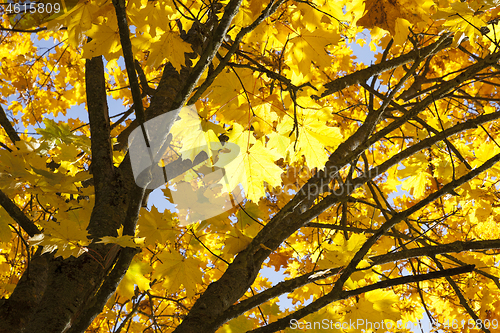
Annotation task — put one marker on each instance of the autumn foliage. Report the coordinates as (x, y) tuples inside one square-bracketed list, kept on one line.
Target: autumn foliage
[(369, 189)]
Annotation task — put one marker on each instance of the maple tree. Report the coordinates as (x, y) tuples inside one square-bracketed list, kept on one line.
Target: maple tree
[(371, 188)]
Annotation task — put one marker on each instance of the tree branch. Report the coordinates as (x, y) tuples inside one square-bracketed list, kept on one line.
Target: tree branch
[(7, 126), (286, 221), (209, 53), (222, 294), (404, 214), (327, 299), (106, 290), (128, 55), (4, 146), (188, 80), (146, 89), (102, 166), (289, 218), (320, 181), (454, 247), (268, 11), (100, 137), (353, 147), (421, 122), (428, 142), (25, 30), (292, 284), (364, 74), (333, 198), (18, 216), (462, 299)]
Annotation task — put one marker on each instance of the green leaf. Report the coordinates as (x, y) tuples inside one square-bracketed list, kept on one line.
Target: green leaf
[(56, 134)]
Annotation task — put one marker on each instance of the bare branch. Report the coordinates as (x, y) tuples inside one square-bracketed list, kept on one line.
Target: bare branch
[(421, 122), (23, 30), (455, 247)]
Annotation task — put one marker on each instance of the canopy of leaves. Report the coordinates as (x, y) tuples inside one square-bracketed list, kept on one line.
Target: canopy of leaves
[(369, 190)]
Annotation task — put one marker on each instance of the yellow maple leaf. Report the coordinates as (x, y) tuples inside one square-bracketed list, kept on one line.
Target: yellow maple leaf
[(484, 152), (416, 184), (251, 168), (241, 137), (67, 239), (156, 227), (314, 136), (227, 87), (265, 115), (79, 21), (383, 13), (201, 199), (461, 16), (171, 47), (105, 41), (69, 235), (141, 42), (134, 277), (415, 164), (14, 165), (236, 241), (176, 271), (341, 251), (373, 308), (5, 231), (279, 143), (247, 215), (123, 241), (151, 17), (239, 324), (402, 30), (195, 134), (311, 47), (332, 324)]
